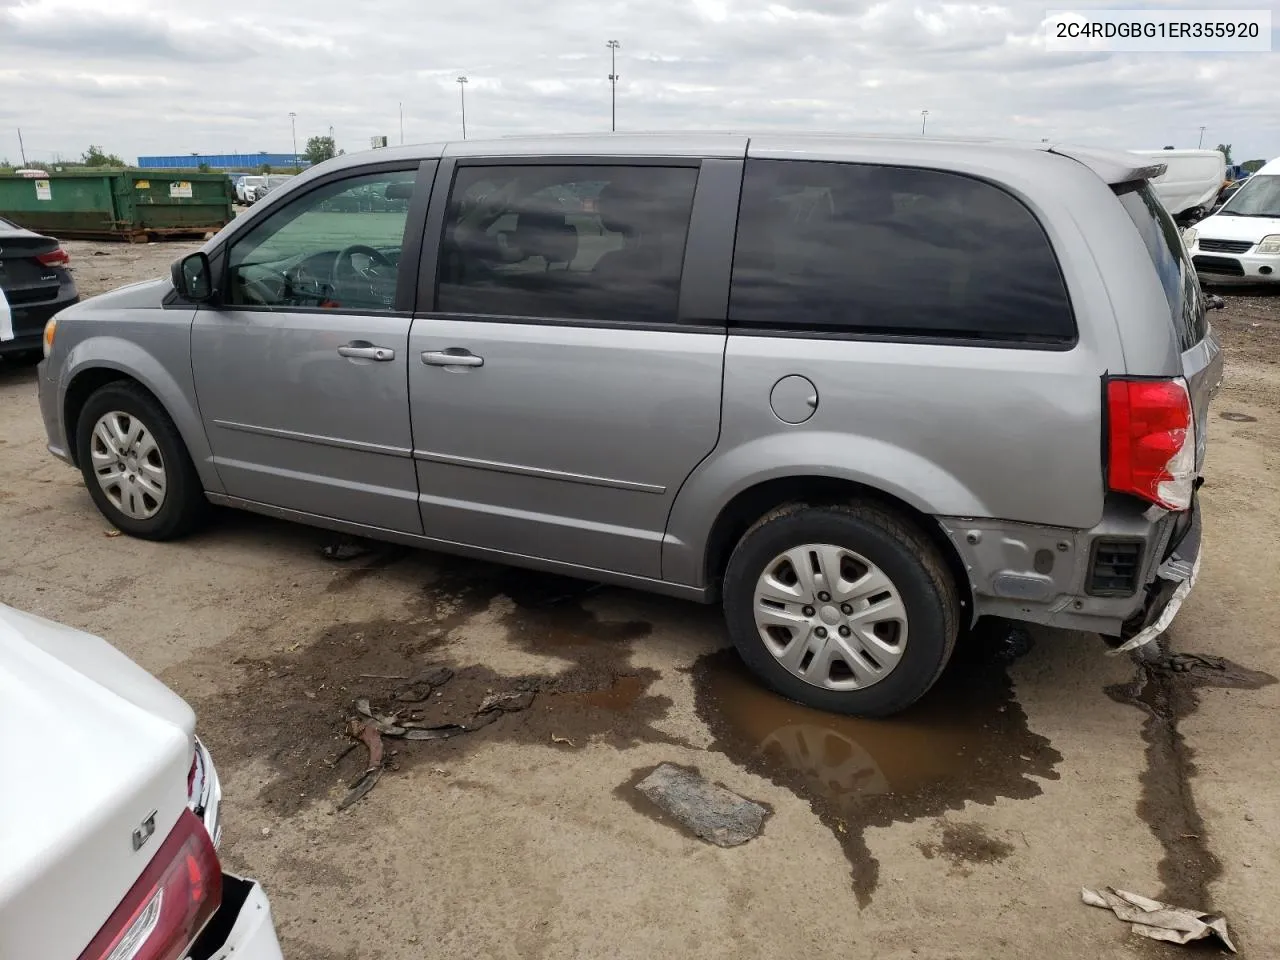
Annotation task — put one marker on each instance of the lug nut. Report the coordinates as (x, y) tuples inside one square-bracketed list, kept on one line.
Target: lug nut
[(846, 609), (808, 611), (824, 596), (821, 631), (845, 631)]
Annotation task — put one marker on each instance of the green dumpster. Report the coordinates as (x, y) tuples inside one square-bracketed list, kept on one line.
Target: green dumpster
[(132, 205)]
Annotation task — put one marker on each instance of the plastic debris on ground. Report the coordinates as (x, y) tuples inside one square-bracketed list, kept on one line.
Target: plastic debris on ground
[(1159, 921), (402, 723)]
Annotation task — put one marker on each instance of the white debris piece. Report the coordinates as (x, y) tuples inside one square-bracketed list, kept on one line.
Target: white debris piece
[(1159, 921)]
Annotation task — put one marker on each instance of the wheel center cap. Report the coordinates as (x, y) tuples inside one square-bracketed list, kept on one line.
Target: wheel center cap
[(830, 615)]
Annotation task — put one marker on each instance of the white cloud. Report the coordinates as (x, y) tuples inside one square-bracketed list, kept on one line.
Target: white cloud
[(176, 76)]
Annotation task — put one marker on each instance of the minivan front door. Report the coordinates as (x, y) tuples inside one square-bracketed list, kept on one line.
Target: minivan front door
[(301, 369), (567, 382)]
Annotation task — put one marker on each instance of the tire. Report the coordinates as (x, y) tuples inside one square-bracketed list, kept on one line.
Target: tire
[(182, 506), (861, 675)]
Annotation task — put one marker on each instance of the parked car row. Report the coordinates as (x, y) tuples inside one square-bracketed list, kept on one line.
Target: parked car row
[(773, 372)]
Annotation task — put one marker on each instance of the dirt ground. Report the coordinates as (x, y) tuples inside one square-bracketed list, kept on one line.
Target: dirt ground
[(961, 831)]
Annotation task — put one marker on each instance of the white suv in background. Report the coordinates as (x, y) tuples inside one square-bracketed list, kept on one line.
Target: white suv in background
[(109, 816), (1241, 242), (246, 184)]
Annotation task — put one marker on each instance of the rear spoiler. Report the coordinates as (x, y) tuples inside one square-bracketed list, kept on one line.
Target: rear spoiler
[(1113, 166)]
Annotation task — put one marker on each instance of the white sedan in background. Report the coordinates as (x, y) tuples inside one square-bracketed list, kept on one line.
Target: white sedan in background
[(109, 812)]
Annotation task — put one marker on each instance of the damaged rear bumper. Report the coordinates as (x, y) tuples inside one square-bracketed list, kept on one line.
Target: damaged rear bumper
[(242, 929), (1067, 578), (1175, 578)]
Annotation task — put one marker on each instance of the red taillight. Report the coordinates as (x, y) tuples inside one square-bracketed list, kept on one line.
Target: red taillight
[(54, 258), (170, 903), (1151, 441)]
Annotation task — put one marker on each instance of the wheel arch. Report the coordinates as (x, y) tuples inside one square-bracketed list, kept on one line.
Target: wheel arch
[(748, 506), (121, 361)]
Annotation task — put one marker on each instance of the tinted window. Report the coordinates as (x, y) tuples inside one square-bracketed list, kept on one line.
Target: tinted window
[(337, 246), (574, 242), (892, 250), (1177, 276)]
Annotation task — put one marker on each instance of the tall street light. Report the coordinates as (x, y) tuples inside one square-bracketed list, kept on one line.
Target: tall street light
[(613, 83), (924, 118), (462, 89), (1201, 143), (293, 127)]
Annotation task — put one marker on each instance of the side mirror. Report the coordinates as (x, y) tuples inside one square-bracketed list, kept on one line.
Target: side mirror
[(193, 277)]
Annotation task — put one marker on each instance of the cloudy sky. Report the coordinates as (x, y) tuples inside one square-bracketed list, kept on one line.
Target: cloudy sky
[(174, 76)]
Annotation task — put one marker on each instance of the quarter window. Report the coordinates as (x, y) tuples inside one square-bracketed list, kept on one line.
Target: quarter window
[(898, 251), (572, 242), (337, 246)]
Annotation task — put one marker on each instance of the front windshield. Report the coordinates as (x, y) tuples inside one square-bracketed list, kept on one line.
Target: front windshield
[(1259, 197)]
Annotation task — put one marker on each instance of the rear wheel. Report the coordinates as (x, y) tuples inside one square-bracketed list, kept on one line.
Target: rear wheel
[(135, 464), (843, 608)]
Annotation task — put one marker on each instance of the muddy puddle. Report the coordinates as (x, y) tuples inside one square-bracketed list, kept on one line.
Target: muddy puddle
[(967, 741), (299, 701), (1166, 689)]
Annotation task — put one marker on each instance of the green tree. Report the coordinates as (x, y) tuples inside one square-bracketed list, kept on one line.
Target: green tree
[(203, 168), (1225, 150), (1253, 166), (265, 169), (320, 149), (95, 156)]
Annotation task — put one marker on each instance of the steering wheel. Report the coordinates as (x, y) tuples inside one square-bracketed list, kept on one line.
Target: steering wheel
[(344, 270)]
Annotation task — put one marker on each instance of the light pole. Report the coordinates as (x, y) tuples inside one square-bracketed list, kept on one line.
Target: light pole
[(402, 123), (613, 84), (462, 89), (1201, 143), (924, 118), (293, 127)]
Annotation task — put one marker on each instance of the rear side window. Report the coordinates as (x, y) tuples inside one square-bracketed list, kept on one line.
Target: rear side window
[(570, 242), (1177, 276), (898, 251)]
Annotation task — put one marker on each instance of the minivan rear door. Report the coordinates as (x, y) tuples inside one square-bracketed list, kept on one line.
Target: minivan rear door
[(1200, 352), (566, 359)]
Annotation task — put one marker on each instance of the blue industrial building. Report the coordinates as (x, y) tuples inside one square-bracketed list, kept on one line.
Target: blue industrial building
[(223, 161)]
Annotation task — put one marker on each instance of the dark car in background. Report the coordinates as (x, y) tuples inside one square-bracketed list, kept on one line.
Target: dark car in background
[(36, 284)]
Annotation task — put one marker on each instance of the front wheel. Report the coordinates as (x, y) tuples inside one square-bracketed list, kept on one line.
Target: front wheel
[(842, 608), (135, 464)]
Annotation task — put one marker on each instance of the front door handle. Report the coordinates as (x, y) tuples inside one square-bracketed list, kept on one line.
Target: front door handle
[(362, 350), (453, 357)]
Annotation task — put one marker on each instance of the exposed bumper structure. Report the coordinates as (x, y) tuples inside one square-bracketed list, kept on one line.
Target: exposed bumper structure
[(1175, 578), (1051, 575), (242, 928)]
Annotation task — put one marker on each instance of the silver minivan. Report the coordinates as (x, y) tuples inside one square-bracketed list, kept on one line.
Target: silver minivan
[(861, 391)]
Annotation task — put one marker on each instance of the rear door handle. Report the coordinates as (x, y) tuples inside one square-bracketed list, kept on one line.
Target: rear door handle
[(453, 357), (362, 350)]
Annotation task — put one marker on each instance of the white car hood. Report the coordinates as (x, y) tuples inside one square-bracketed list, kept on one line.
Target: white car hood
[(1253, 229), (91, 746)]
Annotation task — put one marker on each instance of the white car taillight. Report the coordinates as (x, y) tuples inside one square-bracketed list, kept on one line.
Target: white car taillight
[(168, 906), (1151, 441)]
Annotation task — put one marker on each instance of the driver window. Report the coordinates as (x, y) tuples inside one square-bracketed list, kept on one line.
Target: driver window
[(335, 247)]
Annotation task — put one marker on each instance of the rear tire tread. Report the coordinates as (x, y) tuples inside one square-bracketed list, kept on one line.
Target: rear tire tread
[(906, 535)]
